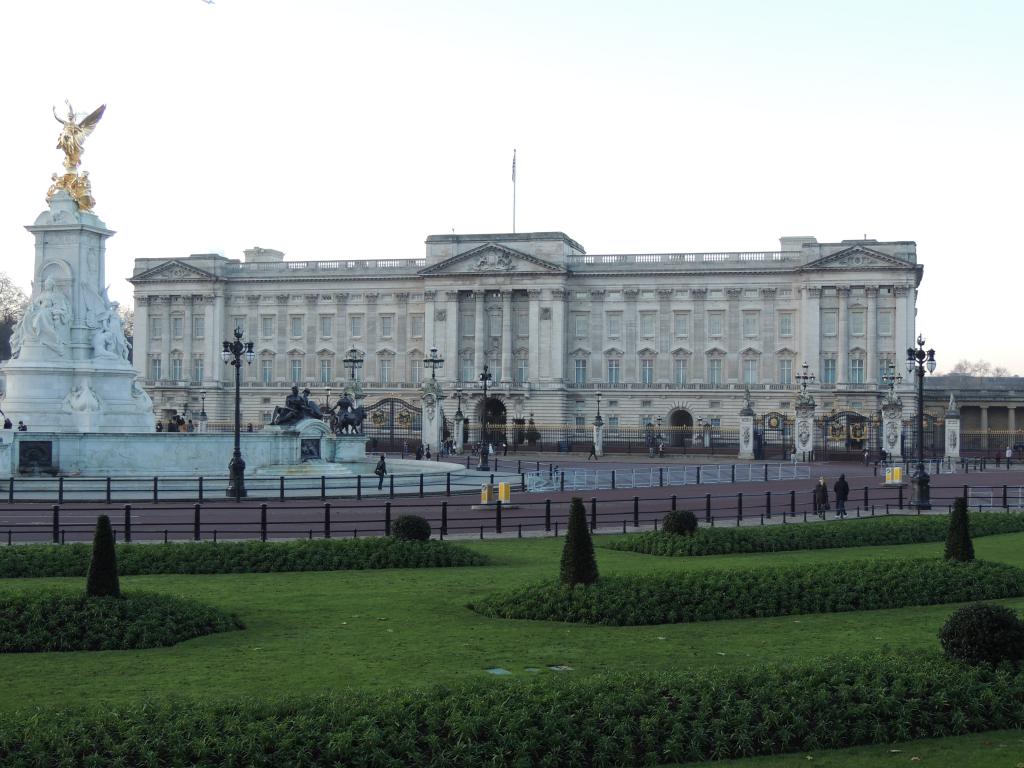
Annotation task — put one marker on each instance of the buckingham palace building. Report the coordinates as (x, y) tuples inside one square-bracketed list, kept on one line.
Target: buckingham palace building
[(672, 338)]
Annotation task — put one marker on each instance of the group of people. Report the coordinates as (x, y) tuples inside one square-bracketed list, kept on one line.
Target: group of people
[(176, 424), (841, 489), (8, 424)]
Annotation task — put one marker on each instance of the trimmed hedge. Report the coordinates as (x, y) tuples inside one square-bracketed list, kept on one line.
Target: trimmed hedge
[(35, 560), (60, 621), (863, 532), (599, 721), (411, 528), (713, 595), (983, 633)]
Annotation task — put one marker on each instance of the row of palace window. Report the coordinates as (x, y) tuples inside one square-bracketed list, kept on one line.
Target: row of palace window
[(296, 326), (613, 370)]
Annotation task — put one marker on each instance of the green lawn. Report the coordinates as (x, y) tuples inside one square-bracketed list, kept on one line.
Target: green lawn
[(310, 632), (994, 749)]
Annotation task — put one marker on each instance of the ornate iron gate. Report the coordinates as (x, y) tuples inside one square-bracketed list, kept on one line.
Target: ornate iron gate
[(775, 435), (391, 424), (846, 435)]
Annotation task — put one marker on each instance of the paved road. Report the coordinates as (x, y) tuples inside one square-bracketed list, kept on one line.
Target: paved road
[(727, 504)]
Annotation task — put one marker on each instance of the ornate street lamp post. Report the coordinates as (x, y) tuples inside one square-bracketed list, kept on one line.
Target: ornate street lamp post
[(598, 421), (917, 361), (459, 416), (353, 362), (203, 418), (484, 465), (433, 362), (233, 353)]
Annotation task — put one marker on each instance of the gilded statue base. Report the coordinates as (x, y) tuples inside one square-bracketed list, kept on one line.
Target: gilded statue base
[(76, 185)]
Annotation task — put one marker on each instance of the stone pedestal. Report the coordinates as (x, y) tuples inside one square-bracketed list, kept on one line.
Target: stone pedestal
[(459, 422), (953, 430), (69, 371), (432, 429), (746, 435), (892, 429), (804, 430), (599, 437)]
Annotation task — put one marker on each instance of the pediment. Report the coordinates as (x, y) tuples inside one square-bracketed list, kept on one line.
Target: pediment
[(858, 257), (614, 352), (491, 259), (172, 270), (580, 352), (647, 352), (715, 350), (750, 351), (682, 351), (786, 351)]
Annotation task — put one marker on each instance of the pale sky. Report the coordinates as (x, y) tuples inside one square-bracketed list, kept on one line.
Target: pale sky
[(338, 129)]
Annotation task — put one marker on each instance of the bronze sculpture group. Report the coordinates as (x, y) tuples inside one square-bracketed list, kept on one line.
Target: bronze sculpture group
[(344, 417)]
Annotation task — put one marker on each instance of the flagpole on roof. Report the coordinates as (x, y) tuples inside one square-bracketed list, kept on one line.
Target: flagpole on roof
[(513, 191)]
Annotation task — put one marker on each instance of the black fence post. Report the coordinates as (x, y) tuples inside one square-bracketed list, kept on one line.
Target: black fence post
[(387, 518), (60, 490), (698, 474), (263, 522), (707, 507), (733, 476), (901, 497), (1005, 505), (593, 513), (522, 482), (636, 511), (421, 485), (792, 503), (867, 503), (547, 515), (128, 523), (766, 475), (739, 506), (444, 518), (327, 519), (768, 504), (391, 486), (10, 491), (280, 488), (561, 482), (156, 484), (196, 522), (519, 466), (497, 516), (359, 487), (108, 490), (673, 502), (613, 479), (661, 476), (200, 489), (56, 524), (323, 487), (448, 484)]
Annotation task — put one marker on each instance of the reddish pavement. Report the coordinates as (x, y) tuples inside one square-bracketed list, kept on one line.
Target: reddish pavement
[(530, 513)]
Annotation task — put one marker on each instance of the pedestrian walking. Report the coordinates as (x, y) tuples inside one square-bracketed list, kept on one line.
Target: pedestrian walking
[(419, 452), (1009, 456), (504, 449), (426, 454), (821, 498), (593, 452), (842, 491), (380, 470)]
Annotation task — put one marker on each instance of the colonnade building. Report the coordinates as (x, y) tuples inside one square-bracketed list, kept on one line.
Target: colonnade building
[(671, 335)]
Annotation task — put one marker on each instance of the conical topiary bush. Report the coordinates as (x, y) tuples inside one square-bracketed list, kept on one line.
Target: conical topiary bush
[(578, 563), (102, 580), (958, 539)]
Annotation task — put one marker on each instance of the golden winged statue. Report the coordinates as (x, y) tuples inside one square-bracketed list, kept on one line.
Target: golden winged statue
[(73, 136)]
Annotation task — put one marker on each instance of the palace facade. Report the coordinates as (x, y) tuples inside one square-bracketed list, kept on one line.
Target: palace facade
[(676, 336)]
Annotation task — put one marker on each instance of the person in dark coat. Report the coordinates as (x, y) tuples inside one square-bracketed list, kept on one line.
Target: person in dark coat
[(381, 470), (821, 498), (419, 453), (842, 491)]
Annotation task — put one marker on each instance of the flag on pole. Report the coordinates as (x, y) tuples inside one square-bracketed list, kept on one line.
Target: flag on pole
[(513, 166)]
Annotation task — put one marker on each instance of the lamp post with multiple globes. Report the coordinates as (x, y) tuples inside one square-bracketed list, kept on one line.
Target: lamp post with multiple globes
[(918, 361), (233, 353)]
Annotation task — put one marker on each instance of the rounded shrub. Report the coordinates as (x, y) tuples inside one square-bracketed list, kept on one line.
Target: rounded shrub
[(983, 633), (681, 522), (411, 528)]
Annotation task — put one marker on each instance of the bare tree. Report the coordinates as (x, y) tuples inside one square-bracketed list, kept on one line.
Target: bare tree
[(979, 368), (12, 306)]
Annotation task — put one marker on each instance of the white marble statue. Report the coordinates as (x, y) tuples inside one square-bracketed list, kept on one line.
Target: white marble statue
[(82, 399), (47, 320)]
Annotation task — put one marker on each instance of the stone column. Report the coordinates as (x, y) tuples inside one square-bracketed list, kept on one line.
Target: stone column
[(663, 343), (953, 429), (534, 364), (558, 334), (451, 327), (429, 332), (871, 336), (698, 362), (746, 433), (479, 359), (165, 347), (810, 329), (892, 428), (459, 421), (186, 333), (212, 343), (843, 341), (506, 337), (984, 426), (140, 342)]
